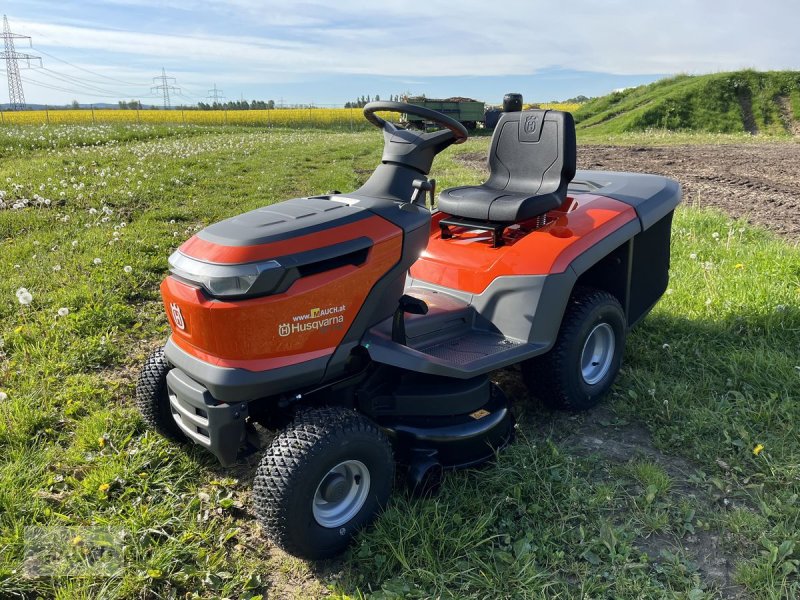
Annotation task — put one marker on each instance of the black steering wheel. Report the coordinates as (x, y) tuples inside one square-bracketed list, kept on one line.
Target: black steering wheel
[(457, 129)]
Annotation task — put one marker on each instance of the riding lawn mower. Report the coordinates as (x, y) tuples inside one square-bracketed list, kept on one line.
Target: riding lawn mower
[(362, 327)]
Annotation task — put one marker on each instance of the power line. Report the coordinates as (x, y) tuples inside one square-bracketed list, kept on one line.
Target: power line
[(215, 95), (16, 95), (66, 62), (165, 86), (58, 88), (77, 82)]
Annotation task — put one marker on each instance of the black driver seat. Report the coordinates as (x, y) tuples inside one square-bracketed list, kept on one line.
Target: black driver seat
[(532, 159)]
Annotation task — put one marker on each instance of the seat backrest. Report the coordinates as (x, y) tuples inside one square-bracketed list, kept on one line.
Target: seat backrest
[(533, 152)]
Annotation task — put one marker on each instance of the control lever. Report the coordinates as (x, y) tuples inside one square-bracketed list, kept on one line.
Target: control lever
[(421, 187), (407, 304)]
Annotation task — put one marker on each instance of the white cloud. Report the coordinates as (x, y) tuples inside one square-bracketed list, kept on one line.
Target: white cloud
[(416, 39)]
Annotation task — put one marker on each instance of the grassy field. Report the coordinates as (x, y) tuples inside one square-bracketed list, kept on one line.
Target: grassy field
[(735, 102), (684, 485)]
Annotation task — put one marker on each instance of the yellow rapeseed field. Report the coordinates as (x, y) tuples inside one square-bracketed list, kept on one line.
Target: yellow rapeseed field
[(277, 117), (565, 106), (280, 117)]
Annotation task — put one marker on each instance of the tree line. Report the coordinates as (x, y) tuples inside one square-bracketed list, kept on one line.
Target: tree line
[(364, 100)]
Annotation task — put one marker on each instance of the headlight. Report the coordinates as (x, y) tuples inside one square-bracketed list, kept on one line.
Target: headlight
[(227, 280)]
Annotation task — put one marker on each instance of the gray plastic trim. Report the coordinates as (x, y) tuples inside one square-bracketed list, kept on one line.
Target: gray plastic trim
[(239, 385), (653, 196)]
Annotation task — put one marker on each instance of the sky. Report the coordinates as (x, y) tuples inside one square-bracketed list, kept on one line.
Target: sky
[(327, 53)]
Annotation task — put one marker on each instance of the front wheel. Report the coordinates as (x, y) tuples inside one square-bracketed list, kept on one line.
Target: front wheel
[(323, 478), (585, 360), (152, 397)]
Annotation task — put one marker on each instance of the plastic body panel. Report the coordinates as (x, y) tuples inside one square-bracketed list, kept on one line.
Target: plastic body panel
[(469, 263), (307, 321), (219, 427)]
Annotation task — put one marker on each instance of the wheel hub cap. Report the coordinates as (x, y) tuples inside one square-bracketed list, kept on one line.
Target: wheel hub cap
[(341, 493), (598, 353)]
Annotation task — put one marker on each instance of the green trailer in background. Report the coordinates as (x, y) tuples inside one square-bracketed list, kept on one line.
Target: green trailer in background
[(467, 111)]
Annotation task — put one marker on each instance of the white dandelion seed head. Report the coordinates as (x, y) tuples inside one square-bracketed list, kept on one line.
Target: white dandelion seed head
[(3, 396), (56, 268), (127, 269), (97, 261), (74, 243), (92, 211), (665, 346), (24, 296), (693, 256), (715, 235), (63, 311)]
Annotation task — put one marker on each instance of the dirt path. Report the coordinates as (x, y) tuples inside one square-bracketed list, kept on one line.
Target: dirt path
[(787, 116), (759, 182)]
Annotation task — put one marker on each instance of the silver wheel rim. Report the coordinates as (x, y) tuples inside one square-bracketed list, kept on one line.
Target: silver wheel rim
[(598, 353), (341, 493)]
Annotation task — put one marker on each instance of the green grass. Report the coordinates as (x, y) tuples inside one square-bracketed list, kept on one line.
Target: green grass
[(704, 103), (711, 373)]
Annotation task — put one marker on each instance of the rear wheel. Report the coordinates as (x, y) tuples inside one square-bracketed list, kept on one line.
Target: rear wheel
[(323, 478), (152, 396), (585, 360)]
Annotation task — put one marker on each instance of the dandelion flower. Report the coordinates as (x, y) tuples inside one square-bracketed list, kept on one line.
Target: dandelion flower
[(97, 261), (101, 441), (127, 269), (103, 488), (738, 266), (757, 450), (77, 540), (24, 296), (63, 311)]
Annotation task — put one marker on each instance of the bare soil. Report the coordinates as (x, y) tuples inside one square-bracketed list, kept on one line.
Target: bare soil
[(758, 182)]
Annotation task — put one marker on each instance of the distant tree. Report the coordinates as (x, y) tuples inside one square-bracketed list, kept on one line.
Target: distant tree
[(75, 104), (377, 98), (130, 104)]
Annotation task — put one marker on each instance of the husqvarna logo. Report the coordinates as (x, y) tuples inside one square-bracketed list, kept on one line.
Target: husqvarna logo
[(530, 124), (177, 316), (315, 319)]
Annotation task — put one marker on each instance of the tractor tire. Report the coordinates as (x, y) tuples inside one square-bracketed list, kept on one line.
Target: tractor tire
[(152, 397), (323, 478), (580, 368)]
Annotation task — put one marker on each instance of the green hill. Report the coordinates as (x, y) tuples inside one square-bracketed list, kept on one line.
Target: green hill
[(756, 102)]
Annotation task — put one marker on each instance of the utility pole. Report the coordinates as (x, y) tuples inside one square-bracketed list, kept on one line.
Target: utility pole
[(16, 96), (165, 86), (216, 95)]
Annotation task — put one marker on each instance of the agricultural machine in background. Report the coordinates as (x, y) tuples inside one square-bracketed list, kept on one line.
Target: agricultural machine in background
[(470, 113)]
